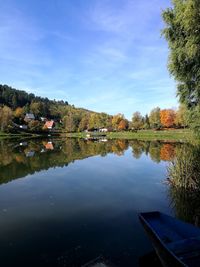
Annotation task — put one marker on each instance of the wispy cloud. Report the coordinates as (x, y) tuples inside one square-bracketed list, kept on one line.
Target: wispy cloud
[(104, 55)]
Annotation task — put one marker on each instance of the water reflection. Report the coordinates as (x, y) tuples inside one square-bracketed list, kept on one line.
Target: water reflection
[(80, 198), (19, 158)]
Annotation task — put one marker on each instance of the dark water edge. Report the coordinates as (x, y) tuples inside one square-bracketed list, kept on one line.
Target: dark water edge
[(66, 202)]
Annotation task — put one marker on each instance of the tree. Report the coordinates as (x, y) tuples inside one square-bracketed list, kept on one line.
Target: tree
[(116, 120), (123, 125), (19, 112), (182, 114), (154, 118), (69, 123), (5, 118), (146, 122), (137, 120), (182, 32), (83, 125), (94, 121), (167, 117)]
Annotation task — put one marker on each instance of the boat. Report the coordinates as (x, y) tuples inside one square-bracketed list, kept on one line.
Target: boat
[(176, 243)]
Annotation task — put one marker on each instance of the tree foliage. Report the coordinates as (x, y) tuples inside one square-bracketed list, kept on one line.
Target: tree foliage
[(182, 116), (123, 125), (182, 32), (137, 120), (167, 117), (5, 118), (154, 118)]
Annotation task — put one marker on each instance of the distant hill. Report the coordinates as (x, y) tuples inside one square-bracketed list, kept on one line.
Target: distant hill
[(71, 118), (14, 98)]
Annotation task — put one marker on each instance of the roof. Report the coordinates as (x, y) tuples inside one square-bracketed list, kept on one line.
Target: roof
[(30, 116), (49, 124)]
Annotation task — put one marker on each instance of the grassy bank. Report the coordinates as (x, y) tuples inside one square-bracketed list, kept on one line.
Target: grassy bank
[(18, 135), (173, 135), (176, 135)]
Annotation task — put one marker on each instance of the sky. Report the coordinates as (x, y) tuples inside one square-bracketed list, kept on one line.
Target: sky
[(103, 55)]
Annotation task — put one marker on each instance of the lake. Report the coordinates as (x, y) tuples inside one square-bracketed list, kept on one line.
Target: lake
[(64, 202)]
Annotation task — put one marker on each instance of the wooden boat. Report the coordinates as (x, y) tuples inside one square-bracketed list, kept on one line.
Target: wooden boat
[(176, 243)]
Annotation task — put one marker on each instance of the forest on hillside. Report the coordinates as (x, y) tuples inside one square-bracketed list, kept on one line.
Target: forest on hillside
[(21, 111)]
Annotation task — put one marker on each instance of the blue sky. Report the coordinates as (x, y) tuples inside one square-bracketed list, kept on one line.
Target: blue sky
[(104, 55)]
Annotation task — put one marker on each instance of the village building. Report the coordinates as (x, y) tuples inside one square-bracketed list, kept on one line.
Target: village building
[(49, 124), (29, 117), (103, 130)]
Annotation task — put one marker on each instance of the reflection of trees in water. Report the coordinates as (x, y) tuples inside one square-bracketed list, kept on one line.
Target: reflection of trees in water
[(157, 150), (19, 159), (138, 148), (167, 152), (184, 181), (154, 151)]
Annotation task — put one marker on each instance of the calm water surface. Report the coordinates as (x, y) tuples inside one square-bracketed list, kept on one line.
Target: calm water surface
[(65, 202)]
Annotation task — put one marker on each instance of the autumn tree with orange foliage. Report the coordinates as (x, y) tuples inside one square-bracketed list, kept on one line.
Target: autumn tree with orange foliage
[(167, 117), (123, 125)]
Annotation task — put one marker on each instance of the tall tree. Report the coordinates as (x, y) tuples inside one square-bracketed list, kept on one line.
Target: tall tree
[(69, 123), (116, 120), (123, 125), (182, 32), (154, 118), (137, 120), (182, 114), (146, 122), (5, 118), (167, 117)]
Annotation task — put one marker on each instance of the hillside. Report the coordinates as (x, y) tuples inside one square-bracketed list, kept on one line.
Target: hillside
[(15, 104)]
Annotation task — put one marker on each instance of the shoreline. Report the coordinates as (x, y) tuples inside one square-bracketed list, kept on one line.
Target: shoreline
[(172, 135), (176, 135)]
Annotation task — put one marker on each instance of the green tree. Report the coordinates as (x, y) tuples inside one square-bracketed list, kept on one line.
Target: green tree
[(137, 120), (83, 125), (69, 123), (14, 101), (5, 118), (146, 122), (181, 119), (94, 121), (154, 118), (182, 32)]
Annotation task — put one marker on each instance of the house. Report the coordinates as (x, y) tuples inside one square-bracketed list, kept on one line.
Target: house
[(49, 124), (103, 130), (29, 117)]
